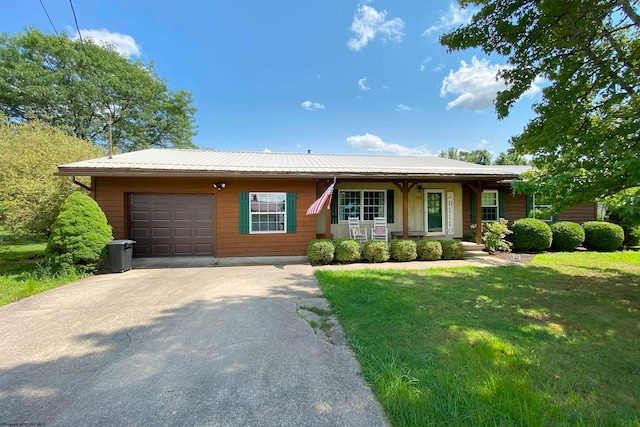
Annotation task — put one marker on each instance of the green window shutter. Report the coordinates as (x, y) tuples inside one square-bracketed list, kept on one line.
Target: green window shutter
[(472, 200), (501, 196), (334, 207), (390, 206), (529, 206), (244, 212), (291, 212)]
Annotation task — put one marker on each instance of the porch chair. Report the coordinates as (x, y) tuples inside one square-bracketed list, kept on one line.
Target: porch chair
[(380, 230), (356, 231)]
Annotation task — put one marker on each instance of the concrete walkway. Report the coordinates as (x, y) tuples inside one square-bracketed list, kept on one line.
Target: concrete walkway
[(184, 346)]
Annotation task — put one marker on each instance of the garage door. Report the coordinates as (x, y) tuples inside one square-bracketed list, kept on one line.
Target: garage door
[(171, 224)]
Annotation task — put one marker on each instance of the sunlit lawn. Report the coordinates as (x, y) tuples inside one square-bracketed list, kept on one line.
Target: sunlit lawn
[(555, 342), (21, 270)]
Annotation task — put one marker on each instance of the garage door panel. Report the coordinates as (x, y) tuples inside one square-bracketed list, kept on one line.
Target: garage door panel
[(161, 232), (182, 232), (182, 216), (139, 233), (170, 224), (204, 232)]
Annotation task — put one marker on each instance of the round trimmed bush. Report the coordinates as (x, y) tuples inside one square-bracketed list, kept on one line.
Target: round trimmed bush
[(429, 250), (531, 235), (566, 236), (403, 250), (79, 236), (320, 251), (631, 236), (452, 249), (348, 250), (602, 236), (376, 251)]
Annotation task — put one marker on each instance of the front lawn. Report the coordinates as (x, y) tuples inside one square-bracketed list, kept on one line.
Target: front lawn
[(554, 342), (21, 270)]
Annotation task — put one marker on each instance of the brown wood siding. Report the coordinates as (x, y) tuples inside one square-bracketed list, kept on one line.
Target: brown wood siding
[(579, 213), (111, 195)]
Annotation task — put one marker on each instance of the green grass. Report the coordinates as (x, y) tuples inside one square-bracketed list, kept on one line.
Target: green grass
[(21, 268), (555, 342)]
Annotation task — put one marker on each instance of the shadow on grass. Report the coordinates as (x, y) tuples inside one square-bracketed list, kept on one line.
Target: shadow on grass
[(507, 345)]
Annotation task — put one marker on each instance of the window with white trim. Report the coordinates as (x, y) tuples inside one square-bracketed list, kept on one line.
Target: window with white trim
[(362, 204), (542, 210), (267, 212), (490, 206)]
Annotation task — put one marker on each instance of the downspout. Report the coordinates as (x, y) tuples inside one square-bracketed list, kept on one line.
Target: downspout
[(78, 183)]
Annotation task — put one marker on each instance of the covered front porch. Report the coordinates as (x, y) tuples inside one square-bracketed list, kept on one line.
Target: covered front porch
[(412, 208)]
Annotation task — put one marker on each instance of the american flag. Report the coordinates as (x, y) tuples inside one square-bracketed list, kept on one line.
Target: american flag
[(316, 207)]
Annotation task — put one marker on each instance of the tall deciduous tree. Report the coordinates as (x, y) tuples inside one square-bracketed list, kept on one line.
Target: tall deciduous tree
[(585, 138), (71, 85), (30, 195)]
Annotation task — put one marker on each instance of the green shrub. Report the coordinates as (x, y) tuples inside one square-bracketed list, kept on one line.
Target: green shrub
[(494, 236), (452, 249), (566, 236), (531, 235), (79, 236), (320, 251), (376, 251), (403, 250), (429, 250), (348, 250), (631, 236), (602, 236)]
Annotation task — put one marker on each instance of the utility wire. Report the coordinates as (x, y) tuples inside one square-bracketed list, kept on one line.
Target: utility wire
[(49, 18), (76, 19)]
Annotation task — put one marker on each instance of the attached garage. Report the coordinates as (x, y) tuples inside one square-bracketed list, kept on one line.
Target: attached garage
[(171, 224)]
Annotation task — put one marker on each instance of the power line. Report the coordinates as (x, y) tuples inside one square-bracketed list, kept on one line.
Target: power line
[(48, 17), (75, 18)]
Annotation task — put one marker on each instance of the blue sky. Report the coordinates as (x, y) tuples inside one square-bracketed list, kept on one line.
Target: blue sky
[(330, 76)]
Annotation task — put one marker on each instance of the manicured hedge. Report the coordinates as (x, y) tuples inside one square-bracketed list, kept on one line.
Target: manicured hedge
[(348, 250), (452, 249), (376, 251), (530, 235), (403, 250), (602, 236), (320, 251), (429, 250), (79, 236), (567, 236)]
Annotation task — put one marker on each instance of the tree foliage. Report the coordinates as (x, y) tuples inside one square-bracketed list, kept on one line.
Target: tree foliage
[(481, 157), (30, 195), (586, 136), (70, 85)]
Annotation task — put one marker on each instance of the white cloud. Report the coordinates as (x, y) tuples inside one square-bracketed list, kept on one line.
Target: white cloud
[(362, 84), (455, 16), (368, 22), (423, 64), (402, 107), (476, 85), (385, 87), (311, 106), (370, 142), (483, 143), (124, 44), (266, 150)]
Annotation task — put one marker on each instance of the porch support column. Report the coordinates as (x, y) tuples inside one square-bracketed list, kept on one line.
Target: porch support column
[(327, 217), (477, 189), (405, 187)]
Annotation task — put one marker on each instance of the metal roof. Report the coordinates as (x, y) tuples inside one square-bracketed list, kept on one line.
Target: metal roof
[(191, 162)]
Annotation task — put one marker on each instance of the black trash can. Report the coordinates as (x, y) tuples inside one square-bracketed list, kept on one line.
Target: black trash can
[(120, 253)]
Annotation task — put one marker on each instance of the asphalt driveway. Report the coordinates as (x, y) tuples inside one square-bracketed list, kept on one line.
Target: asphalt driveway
[(221, 346)]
